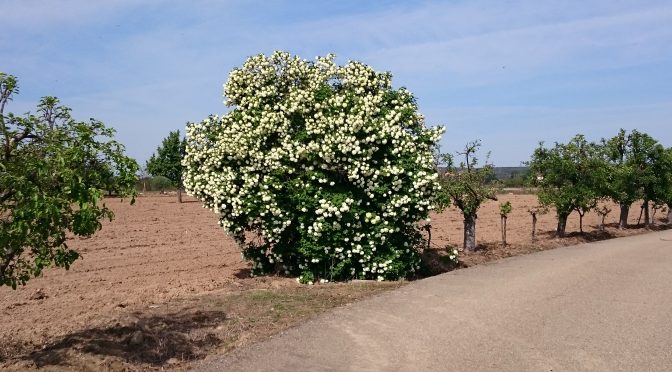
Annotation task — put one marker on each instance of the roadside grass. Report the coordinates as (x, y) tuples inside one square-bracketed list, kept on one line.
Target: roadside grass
[(170, 335)]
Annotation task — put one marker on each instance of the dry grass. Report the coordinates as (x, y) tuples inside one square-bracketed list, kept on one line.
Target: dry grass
[(171, 335)]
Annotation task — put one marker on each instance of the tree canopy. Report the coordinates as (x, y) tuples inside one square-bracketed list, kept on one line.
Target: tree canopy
[(571, 177), (167, 160), (637, 171), (53, 173)]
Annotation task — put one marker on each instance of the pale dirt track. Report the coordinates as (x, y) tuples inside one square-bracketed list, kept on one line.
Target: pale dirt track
[(603, 306), (158, 250)]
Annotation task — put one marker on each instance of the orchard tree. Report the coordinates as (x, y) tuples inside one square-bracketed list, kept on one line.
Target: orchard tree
[(167, 161), (623, 187), (535, 212), (656, 173), (571, 177), (504, 210), (636, 165), (668, 187), (665, 193), (318, 170), (54, 171), (602, 211), (467, 186)]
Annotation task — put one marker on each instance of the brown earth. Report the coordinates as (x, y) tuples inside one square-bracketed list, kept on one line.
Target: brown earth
[(448, 230), (158, 266)]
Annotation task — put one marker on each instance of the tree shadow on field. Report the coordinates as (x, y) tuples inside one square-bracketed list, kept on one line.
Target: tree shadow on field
[(243, 274), (590, 236), (436, 261), (150, 340)]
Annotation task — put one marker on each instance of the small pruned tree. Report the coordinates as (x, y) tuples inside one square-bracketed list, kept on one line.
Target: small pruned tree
[(656, 207), (535, 212), (571, 177), (54, 172), (167, 161), (504, 211), (602, 211), (583, 209), (467, 186)]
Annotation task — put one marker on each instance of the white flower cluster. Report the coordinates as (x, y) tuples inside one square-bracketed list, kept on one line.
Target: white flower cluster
[(327, 164)]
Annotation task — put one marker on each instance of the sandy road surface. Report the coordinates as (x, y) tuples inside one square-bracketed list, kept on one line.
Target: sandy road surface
[(604, 306)]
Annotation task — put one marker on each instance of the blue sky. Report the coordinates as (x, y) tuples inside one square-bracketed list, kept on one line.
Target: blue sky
[(511, 73)]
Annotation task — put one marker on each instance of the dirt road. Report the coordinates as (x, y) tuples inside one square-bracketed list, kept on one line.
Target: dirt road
[(603, 306)]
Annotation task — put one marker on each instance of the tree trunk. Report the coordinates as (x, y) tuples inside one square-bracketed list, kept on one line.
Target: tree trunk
[(581, 222), (641, 213), (534, 226), (504, 230), (562, 226), (179, 195), (469, 233), (602, 225), (428, 228), (623, 221), (669, 213), (647, 216), (144, 187)]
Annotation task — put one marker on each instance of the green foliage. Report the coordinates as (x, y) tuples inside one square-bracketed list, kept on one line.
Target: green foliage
[(571, 177), (624, 187), (466, 185), (667, 180), (167, 161), (318, 171), (517, 179), (505, 209), (649, 160), (637, 163), (53, 173), (160, 183)]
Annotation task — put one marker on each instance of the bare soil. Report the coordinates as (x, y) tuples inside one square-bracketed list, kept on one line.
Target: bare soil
[(447, 231), (162, 285)]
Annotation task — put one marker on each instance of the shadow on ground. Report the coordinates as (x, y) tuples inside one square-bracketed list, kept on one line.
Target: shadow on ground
[(152, 340)]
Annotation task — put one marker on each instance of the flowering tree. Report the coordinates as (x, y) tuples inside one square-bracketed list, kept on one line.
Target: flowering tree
[(319, 170)]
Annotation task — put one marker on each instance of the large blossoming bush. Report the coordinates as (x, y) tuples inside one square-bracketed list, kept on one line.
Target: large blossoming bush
[(318, 170)]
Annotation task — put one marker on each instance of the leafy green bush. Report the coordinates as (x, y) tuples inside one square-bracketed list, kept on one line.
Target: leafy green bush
[(319, 170), (160, 183)]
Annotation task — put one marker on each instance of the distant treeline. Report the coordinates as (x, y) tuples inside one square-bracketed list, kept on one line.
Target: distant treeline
[(512, 176), (508, 176)]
